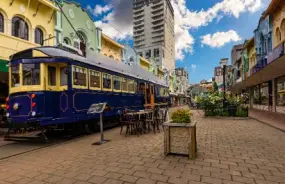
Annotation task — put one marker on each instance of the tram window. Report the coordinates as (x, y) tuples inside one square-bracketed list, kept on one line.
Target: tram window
[(15, 75), (31, 74), (51, 76), (131, 86), (107, 81), (79, 76), (63, 76), (116, 83), (141, 87), (94, 79), (124, 84)]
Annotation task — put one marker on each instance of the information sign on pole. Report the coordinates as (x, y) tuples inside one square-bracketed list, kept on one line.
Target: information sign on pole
[(99, 109)]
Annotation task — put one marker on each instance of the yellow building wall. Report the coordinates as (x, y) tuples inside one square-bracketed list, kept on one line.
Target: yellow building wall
[(110, 49), (278, 21), (144, 63), (10, 44)]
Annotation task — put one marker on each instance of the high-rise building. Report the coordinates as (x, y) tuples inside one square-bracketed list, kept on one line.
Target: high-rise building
[(153, 31)]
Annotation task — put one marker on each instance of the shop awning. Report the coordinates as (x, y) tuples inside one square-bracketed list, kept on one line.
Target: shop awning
[(272, 70), (3, 66)]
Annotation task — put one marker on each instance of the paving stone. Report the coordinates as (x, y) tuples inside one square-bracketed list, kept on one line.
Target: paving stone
[(145, 181), (142, 174), (275, 178), (211, 180), (172, 173), (66, 181), (99, 173), (264, 182), (97, 179), (176, 180), (128, 178), (113, 175), (159, 177), (155, 170), (243, 179), (23, 181), (112, 181)]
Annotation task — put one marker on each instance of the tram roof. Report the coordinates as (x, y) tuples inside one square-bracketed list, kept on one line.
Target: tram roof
[(103, 62)]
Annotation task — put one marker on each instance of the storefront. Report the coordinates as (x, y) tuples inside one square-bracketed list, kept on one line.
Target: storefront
[(266, 85)]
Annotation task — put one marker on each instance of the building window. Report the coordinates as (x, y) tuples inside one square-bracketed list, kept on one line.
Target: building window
[(31, 74), (148, 54), (95, 79), (107, 81), (111, 56), (20, 28), (124, 84), (15, 76), (51, 76), (39, 36), (1, 23), (156, 52), (79, 76), (140, 54), (66, 41), (117, 83)]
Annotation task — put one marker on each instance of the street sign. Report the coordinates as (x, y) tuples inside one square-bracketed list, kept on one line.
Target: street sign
[(99, 109)]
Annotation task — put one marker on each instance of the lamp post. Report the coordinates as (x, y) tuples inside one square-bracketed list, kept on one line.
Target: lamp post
[(223, 64)]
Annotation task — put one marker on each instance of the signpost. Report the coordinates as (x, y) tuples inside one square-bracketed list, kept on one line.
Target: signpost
[(99, 109)]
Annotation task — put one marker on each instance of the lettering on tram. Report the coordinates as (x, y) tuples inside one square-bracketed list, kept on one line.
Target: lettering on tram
[(52, 86)]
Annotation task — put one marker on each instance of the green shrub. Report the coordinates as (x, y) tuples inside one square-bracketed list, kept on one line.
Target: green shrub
[(181, 116)]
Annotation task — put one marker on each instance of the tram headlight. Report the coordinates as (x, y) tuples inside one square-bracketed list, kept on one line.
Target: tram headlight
[(7, 114), (33, 113)]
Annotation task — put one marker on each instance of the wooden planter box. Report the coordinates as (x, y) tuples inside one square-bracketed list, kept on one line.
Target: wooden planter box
[(180, 139)]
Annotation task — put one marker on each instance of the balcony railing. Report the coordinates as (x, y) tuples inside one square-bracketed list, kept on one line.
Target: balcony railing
[(157, 11)]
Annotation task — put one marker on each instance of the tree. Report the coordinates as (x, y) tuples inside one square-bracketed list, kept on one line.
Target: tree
[(215, 87)]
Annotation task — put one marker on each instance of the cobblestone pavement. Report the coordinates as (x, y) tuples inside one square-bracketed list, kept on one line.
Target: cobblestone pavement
[(230, 152)]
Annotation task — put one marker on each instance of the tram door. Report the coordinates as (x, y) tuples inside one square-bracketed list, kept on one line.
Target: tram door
[(149, 94)]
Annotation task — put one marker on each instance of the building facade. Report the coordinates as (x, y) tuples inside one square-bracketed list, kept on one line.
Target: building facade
[(153, 31), (24, 25), (111, 48), (266, 84), (130, 56), (75, 28)]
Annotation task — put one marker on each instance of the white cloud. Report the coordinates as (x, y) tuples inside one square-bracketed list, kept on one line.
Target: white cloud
[(193, 66), (185, 19), (98, 9), (219, 39)]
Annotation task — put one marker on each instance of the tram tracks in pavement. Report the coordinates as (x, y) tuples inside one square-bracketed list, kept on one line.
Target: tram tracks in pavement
[(19, 148)]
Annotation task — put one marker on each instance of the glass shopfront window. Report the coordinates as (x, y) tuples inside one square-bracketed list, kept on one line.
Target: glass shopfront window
[(280, 100), (261, 95), (31, 74)]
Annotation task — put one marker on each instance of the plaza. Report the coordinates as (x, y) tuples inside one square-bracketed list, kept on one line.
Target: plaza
[(230, 151)]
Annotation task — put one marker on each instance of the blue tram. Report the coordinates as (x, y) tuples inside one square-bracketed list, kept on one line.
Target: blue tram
[(51, 86)]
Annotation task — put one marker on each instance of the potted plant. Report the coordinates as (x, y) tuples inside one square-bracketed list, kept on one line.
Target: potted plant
[(180, 134)]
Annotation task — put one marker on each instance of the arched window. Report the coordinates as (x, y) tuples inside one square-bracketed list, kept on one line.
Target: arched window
[(66, 41), (278, 35), (39, 36), (1, 23), (20, 28)]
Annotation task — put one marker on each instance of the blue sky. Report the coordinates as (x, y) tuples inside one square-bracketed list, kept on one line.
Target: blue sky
[(226, 22)]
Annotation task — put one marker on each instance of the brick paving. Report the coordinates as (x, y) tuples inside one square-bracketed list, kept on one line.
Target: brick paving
[(276, 120), (229, 152)]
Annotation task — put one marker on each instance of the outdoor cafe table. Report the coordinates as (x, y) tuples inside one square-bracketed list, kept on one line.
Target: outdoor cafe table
[(139, 113)]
